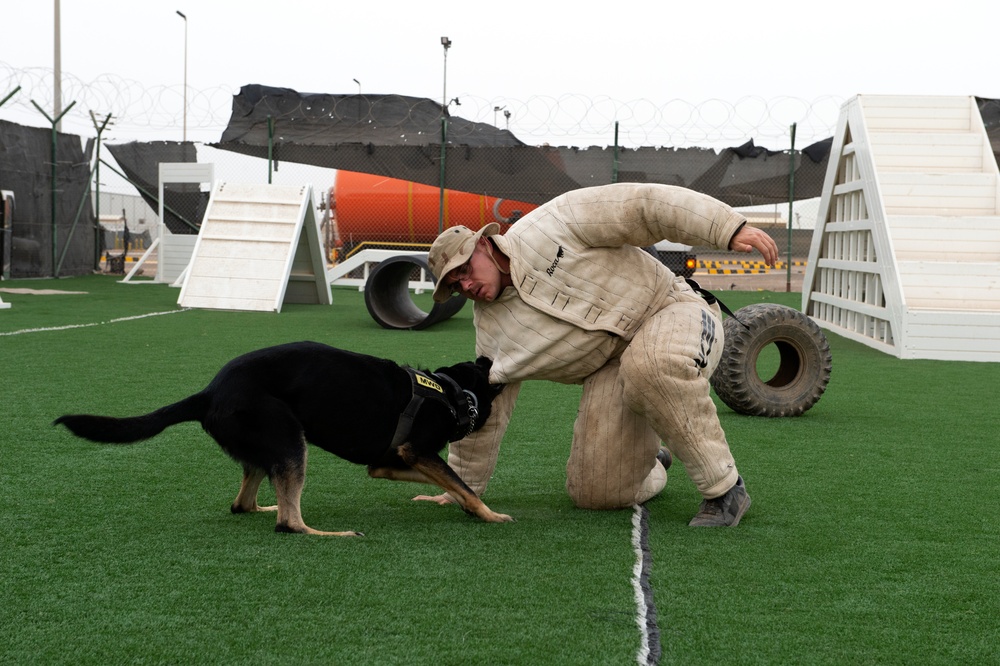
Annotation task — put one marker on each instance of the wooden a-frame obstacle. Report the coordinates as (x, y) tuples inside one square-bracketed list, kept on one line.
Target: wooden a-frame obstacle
[(905, 257), (258, 248)]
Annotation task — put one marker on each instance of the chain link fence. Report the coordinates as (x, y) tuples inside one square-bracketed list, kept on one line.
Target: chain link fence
[(549, 142)]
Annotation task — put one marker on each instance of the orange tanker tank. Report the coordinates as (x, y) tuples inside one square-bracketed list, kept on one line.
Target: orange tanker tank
[(376, 209)]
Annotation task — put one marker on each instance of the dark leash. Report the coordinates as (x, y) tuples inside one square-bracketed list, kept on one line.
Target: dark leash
[(427, 386), (711, 299)]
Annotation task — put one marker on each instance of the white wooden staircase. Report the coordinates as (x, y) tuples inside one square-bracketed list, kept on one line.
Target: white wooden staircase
[(258, 248), (906, 253)]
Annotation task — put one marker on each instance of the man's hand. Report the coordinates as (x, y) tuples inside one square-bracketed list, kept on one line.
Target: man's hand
[(749, 238), (442, 499)]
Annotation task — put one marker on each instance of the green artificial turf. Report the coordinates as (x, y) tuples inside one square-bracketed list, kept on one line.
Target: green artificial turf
[(871, 539)]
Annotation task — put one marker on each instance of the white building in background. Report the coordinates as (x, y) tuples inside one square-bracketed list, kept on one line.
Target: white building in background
[(804, 214)]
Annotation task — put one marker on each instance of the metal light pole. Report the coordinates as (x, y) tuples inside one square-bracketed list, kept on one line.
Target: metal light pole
[(57, 67), (359, 85), (181, 14), (446, 43)]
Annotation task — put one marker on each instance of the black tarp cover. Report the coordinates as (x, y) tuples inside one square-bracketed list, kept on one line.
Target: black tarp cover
[(183, 203), (394, 136), (989, 109), (26, 170), (400, 137)]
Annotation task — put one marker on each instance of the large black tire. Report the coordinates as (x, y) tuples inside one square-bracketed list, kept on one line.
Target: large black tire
[(803, 370)]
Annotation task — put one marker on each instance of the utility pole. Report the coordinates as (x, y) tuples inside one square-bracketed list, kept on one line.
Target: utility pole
[(57, 70), (446, 43), (181, 14)]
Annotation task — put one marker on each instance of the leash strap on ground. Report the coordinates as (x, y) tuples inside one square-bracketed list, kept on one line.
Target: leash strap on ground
[(711, 298)]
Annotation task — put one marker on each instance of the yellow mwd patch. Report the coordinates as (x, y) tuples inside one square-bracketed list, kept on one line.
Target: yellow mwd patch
[(429, 383)]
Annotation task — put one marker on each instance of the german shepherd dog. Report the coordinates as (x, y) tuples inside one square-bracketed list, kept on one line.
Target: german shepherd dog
[(263, 407)]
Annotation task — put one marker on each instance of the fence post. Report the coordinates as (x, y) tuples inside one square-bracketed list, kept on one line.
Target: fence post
[(614, 164), (444, 139), (9, 95), (52, 187), (791, 203), (97, 189), (270, 145)]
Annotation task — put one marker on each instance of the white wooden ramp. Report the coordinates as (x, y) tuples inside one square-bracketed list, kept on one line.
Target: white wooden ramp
[(906, 253), (258, 248), (366, 260)]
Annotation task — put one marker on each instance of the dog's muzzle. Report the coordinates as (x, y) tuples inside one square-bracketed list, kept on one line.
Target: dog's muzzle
[(465, 411)]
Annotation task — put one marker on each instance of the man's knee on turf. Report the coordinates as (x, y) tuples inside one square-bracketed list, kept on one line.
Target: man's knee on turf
[(602, 495)]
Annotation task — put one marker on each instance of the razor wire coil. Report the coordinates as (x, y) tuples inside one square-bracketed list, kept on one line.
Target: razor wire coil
[(140, 112)]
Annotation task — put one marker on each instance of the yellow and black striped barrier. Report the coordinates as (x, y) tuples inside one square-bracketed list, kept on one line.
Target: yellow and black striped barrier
[(737, 267)]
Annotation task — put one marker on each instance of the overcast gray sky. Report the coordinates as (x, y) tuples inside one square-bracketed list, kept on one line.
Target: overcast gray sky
[(502, 52)]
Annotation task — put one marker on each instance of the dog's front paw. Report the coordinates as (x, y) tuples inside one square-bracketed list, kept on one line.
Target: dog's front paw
[(499, 518)]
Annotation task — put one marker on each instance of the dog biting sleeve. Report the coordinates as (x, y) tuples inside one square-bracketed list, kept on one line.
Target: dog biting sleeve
[(474, 457)]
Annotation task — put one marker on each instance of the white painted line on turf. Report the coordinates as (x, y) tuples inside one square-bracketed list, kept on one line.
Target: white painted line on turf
[(649, 634), (99, 323)]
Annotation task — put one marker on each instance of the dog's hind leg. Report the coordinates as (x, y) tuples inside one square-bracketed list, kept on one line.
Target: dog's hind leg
[(288, 482), (246, 500)]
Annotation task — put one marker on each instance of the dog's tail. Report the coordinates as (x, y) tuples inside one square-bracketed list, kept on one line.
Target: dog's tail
[(110, 430)]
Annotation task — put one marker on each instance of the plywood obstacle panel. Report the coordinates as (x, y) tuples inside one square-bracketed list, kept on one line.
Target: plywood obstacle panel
[(258, 248), (905, 257)]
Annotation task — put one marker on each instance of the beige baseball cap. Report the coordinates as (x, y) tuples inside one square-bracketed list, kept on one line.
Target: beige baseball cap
[(450, 250)]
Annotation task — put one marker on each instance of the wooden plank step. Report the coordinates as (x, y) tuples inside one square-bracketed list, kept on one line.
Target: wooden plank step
[(951, 194), (927, 152), (945, 285), (909, 113), (941, 238)]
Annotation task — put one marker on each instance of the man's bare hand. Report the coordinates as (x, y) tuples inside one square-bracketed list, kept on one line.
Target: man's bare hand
[(441, 499), (749, 238)]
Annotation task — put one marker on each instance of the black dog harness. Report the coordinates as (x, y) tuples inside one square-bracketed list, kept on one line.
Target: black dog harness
[(426, 386)]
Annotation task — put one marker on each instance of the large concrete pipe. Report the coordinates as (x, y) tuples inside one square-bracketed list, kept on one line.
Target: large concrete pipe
[(387, 295)]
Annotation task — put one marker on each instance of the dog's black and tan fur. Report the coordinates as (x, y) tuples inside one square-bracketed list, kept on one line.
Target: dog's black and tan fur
[(263, 407)]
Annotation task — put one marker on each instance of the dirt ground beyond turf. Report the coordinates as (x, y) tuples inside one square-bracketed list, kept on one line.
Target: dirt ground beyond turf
[(771, 280)]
